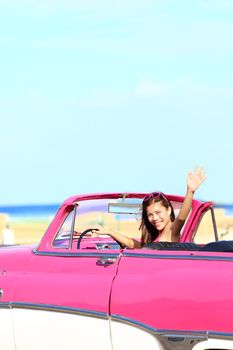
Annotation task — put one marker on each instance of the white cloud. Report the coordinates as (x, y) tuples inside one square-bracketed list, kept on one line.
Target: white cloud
[(80, 4), (150, 88), (217, 4), (148, 92)]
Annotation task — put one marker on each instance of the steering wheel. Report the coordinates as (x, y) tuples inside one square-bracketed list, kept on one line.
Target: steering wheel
[(90, 230), (82, 235)]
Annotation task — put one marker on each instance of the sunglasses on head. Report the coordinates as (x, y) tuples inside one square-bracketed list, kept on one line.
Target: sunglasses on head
[(154, 195)]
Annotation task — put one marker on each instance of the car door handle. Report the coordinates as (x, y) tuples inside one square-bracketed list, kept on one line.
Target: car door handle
[(1, 292), (106, 261)]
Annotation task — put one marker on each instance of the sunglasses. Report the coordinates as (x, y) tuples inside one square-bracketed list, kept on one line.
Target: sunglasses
[(155, 195)]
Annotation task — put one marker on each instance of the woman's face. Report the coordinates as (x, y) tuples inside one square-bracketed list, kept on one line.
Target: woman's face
[(158, 215)]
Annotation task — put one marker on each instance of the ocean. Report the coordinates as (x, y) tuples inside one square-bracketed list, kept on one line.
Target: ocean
[(228, 208), (36, 211)]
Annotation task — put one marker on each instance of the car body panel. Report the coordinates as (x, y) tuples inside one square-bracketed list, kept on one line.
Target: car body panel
[(182, 291), (69, 281), (103, 296), (46, 329)]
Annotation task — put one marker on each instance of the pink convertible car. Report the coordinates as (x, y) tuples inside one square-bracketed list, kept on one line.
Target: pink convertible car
[(75, 291)]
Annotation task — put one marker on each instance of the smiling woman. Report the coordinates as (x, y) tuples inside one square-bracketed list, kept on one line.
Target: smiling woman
[(158, 221)]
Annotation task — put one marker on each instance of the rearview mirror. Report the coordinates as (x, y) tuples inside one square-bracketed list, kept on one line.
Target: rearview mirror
[(124, 208)]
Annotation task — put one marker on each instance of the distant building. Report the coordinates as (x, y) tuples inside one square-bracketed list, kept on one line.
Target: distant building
[(8, 235)]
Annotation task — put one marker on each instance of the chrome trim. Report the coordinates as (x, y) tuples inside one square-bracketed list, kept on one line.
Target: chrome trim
[(214, 224), (174, 339), (5, 305), (62, 309), (74, 254), (106, 261), (220, 335), (72, 226), (153, 330), (190, 256), (169, 339)]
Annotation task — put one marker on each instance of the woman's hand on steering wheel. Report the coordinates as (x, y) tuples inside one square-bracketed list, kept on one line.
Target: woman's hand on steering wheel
[(98, 230)]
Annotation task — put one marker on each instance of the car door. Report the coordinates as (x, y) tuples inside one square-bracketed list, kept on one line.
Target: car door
[(171, 299), (63, 300)]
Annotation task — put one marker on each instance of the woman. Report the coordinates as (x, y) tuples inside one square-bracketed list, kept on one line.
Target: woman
[(158, 218)]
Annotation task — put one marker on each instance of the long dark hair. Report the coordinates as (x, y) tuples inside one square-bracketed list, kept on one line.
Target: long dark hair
[(149, 231)]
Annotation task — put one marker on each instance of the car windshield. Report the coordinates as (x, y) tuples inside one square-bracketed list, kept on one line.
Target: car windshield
[(120, 215)]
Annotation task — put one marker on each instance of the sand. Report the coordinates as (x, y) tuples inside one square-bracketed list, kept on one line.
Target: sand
[(31, 231), (25, 232)]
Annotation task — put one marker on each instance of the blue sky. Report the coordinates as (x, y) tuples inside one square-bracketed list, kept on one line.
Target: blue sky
[(101, 96)]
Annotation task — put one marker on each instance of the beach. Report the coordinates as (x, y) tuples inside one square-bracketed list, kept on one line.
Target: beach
[(28, 226), (27, 223), (25, 231)]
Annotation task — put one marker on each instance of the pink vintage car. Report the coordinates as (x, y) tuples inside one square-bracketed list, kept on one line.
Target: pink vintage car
[(76, 291)]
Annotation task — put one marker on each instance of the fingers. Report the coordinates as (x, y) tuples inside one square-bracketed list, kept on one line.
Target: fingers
[(196, 178), (99, 231), (94, 227), (200, 173), (190, 174), (95, 232)]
